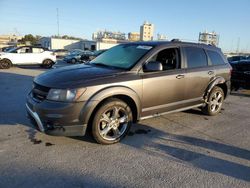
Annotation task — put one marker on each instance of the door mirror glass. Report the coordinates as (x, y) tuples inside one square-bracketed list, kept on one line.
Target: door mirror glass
[(153, 66)]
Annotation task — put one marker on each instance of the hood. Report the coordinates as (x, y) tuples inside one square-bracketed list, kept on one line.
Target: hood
[(74, 76), (2, 53)]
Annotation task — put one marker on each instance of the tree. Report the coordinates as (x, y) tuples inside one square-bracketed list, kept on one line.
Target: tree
[(30, 38)]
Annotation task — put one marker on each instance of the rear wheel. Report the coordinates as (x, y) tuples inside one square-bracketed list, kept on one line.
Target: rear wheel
[(5, 64), (215, 101), (47, 63), (111, 122)]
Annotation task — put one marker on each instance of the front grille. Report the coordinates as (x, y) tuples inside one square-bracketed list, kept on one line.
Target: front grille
[(40, 92)]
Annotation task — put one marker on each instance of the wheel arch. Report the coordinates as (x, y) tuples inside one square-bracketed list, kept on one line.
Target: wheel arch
[(220, 82), (8, 60), (123, 93), (47, 59)]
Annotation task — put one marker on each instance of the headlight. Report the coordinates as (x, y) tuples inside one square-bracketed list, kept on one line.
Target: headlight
[(67, 95)]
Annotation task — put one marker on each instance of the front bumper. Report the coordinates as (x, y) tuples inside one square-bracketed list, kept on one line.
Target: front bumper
[(56, 118)]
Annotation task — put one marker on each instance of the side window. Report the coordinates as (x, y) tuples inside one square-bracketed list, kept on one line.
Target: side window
[(169, 58), (37, 50), (24, 50), (215, 58), (195, 57)]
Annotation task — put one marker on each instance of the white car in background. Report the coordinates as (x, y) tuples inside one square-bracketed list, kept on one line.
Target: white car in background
[(27, 55)]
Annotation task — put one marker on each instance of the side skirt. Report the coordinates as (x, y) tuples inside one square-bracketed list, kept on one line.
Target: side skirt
[(172, 111)]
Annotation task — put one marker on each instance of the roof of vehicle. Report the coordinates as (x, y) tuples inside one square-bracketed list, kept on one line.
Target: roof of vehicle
[(177, 42)]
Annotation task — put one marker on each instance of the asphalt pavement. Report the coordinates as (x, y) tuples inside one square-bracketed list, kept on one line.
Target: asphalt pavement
[(186, 149)]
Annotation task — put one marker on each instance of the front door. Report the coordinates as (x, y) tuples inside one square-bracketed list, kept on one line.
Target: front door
[(24, 56), (164, 90)]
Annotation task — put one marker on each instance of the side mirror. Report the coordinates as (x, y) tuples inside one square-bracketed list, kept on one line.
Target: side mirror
[(153, 66)]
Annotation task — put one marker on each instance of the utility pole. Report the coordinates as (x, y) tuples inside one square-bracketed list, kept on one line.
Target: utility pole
[(238, 45), (57, 15)]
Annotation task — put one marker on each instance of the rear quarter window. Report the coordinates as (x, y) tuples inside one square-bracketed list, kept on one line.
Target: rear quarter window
[(37, 50), (215, 58), (196, 57)]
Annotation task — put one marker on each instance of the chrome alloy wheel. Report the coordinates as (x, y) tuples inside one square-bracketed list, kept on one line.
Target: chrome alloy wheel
[(113, 123), (216, 101)]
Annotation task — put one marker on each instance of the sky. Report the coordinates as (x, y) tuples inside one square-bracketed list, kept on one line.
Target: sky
[(182, 19)]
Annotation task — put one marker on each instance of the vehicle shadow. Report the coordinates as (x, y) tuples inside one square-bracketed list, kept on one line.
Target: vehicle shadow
[(157, 142), (14, 89), (240, 94), (35, 67)]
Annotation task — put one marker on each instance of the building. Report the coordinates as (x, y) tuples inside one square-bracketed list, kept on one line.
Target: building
[(108, 43), (133, 36), (146, 31), (9, 40), (161, 37), (99, 35), (69, 44), (107, 39), (209, 38)]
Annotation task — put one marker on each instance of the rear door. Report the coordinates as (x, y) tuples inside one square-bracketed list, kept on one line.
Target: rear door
[(37, 55), (198, 75)]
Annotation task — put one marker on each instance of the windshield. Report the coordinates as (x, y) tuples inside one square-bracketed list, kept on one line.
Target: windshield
[(12, 50), (123, 56)]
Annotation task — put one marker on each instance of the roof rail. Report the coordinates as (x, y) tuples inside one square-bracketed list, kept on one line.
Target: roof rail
[(175, 40)]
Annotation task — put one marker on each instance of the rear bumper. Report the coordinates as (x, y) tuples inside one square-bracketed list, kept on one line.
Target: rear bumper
[(56, 119), (240, 79)]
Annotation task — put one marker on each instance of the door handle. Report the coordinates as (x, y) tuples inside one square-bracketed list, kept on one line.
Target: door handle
[(180, 76), (210, 72)]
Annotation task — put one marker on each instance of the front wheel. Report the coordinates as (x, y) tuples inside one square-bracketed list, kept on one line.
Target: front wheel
[(5, 64), (215, 101), (111, 121)]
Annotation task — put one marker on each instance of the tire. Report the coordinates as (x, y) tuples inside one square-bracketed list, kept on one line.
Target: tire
[(47, 63), (73, 61), (5, 64), (111, 121), (215, 101)]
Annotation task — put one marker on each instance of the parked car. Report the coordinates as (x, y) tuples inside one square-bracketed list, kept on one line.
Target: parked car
[(27, 55), (236, 58), (240, 74), (60, 53), (5, 49), (73, 56), (91, 55), (128, 83)]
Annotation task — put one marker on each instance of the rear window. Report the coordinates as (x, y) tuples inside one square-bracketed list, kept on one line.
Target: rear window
[(196, 57), (215, 58), (37, 50)]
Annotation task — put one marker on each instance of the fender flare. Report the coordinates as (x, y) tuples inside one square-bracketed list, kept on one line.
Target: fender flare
[(105, 93), (213, 83), (6, 59)]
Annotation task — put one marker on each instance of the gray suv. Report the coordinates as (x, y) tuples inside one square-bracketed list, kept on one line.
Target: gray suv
[(128, 83)]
